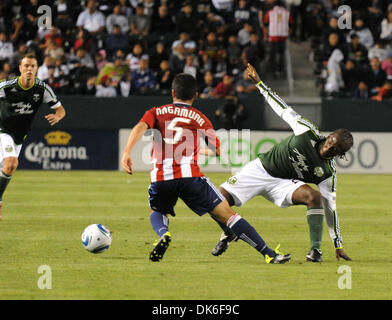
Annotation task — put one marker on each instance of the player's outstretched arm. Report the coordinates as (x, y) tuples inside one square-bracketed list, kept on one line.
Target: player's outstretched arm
[(285, 112), (135, 135), (56, 117)]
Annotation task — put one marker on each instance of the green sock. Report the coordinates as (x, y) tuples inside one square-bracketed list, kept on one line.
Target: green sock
[(4, 181), (315, 217)]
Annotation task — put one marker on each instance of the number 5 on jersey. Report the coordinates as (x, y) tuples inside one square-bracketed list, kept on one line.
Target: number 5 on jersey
[(177, 129)]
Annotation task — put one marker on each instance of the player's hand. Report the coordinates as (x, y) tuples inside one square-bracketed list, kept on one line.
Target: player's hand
[(252, 74), (339, 253), (126, 163), (52, 118)]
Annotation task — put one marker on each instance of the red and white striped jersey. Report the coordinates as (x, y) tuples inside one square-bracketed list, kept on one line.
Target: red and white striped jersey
[(278, 20), (177, 129)]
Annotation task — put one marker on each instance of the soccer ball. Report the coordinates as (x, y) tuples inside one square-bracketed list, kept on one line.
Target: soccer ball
[(96, 238)]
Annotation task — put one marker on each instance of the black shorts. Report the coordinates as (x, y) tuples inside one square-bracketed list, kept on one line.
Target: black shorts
[(199, 194)]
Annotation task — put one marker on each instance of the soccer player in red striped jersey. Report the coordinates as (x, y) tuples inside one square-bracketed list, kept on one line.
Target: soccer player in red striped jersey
[(177, 129)]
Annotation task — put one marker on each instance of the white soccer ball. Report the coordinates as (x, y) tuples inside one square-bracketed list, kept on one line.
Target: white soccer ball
[(96, 238)]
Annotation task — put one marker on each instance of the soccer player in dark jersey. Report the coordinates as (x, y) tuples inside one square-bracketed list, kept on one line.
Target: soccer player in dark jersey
[(281, 174), (177, 129), (20, 98)]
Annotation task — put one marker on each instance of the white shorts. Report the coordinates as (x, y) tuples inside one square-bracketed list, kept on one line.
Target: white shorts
[(253, 180), (8, 148)]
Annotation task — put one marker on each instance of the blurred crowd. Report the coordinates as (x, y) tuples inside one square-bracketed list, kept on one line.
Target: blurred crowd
[(110, 48), (352, 50)]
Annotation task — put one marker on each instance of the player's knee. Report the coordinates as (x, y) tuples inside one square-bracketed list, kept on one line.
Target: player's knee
[(313, 199), (10, 165), (227, 195)]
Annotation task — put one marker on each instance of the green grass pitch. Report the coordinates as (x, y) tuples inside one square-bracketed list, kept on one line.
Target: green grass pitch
[(45, 213)]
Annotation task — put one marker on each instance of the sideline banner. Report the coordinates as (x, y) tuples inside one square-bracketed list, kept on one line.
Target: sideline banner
[(371, 153), (70, 149)]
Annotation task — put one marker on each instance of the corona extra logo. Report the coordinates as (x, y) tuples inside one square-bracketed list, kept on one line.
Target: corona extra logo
[(58, 138)]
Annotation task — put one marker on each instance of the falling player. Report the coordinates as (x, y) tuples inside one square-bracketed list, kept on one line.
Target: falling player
[(281, 174), (177, 129), (20, 98)]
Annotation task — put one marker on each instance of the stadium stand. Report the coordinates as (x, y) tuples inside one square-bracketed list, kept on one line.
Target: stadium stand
[(91, 39)]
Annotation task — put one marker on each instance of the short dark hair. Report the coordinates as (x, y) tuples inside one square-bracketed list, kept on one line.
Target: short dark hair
[(184, 86), (30, 55), (345, 138)]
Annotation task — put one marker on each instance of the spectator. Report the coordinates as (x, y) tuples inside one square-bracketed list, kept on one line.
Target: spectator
[(231, 114), (207, 86), (191, 66), (7, 70), (225, 89), (81, 67), (116, 41), (100, 60), (333, 27), (189, 45), (134, 57), (244, 87), (124, 87), (188, 21), (63, 13), (386, 27), (165, 78), (143, 79), (334, 81), (6, 48), (254, 51), (351, 76), (241, 13), (177, 59), (354, 47), (117, 19), (54, 35), (30, 11), (244, 34), (158, 54), (43, 70), (363, 32), (163, 27), (53, 50), (15, 58), (362, 91), (105, 88), (140, 24), (224, 8), (378, 50), (91, 19), (385, 92), (233, 52), (115, 70), (278, 20), (83, 40), (56, 83), (126, 9), (386, 65), (375, 76), (20, 30)]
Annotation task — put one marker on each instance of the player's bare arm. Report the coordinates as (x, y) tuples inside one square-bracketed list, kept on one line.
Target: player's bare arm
[(135, 135), (56, 117)]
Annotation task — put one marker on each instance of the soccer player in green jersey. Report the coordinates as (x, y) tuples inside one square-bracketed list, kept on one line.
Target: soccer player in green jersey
[(281, 175), (20, 98)]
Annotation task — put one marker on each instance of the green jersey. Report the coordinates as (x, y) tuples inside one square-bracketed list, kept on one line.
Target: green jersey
[(18, 106), (297, 157)]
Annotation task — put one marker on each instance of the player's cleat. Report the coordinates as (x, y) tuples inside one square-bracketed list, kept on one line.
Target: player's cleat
[(314, 255), (280, 258), (160, 247), (222, 244)]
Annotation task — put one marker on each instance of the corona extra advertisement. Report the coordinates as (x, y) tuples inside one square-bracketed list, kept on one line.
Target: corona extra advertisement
[(70, 149)]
